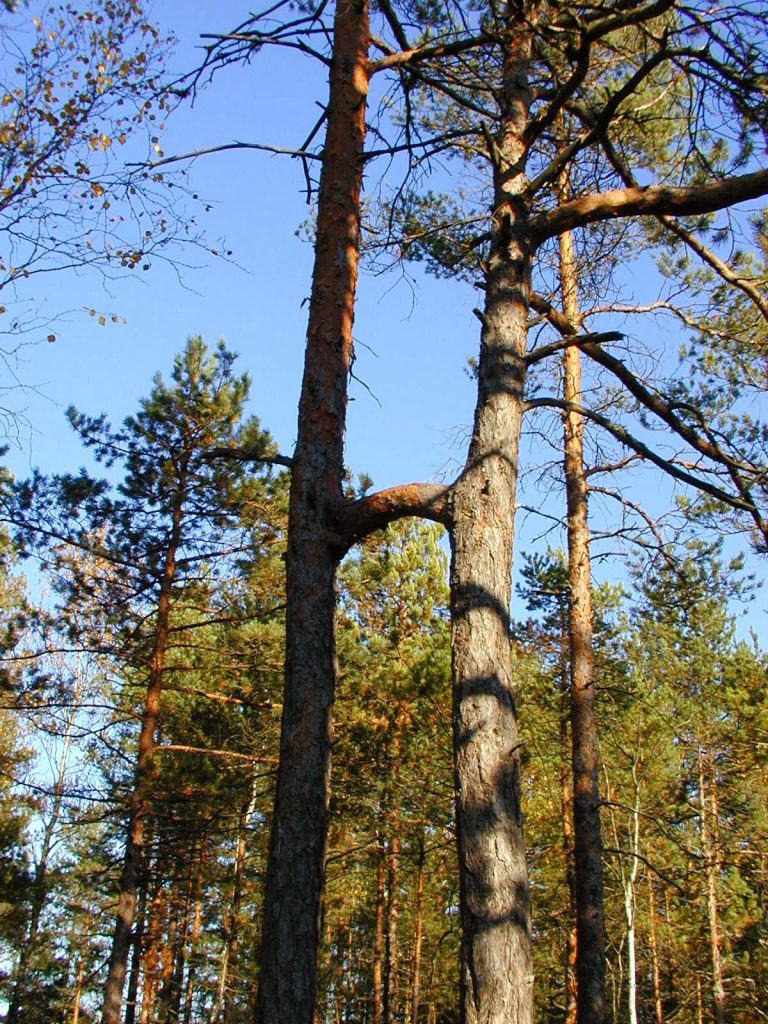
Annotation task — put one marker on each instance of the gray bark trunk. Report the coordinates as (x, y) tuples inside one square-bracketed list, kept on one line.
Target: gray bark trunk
[(496, 968)]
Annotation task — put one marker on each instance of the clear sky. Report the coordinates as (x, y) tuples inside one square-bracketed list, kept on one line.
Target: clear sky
[(413, 339), (408, 418)]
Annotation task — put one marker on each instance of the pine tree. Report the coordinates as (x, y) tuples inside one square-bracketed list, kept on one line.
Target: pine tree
[(161, 539)]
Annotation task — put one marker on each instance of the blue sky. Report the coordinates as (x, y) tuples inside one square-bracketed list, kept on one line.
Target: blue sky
[(413, 338), (409, 417)]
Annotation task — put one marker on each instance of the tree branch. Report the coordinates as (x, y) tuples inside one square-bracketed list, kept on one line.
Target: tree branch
[(182, 748), (653, 201), (719, 266), (206, 150), (662, 409), (420, 54), (356, 520), (248, 455), (673, 470)]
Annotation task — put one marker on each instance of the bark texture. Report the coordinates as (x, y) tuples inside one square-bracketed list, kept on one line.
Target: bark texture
[(496, 969), (296, 861), (592, 1006)]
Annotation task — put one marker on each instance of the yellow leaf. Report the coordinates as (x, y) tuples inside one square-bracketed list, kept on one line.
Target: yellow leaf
[(102, 321)]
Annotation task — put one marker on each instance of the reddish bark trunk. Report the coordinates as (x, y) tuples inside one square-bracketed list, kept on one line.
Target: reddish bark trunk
[(418, 938), (295, 868), (391, 962), (592, 1006), (566, 810), (378, 938)]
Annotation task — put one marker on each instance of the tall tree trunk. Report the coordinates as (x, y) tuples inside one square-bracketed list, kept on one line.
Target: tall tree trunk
[(80, 975), (629, 884), (496, 964), (142, 784), (566, 811), (182, 941), (137, 959), (707, 818), (296, 861), (592, 1005), (391, 960), (153, 952), (168, 953), (378, 936), (189, 993), (224, 1001), (418, 937), (658, 1005), (699, 1001)]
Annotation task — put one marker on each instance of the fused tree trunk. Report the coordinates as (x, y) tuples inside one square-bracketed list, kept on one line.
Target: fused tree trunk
[(592, 1006), (295, 868), (496, 973), (496, 964)]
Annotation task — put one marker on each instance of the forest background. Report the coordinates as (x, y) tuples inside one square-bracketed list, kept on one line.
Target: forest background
[(415, 336)]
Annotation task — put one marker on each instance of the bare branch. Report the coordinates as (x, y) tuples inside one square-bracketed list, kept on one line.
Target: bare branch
[(661, 408), (420, 54), (224, 147), (184, 749), (668, 466), (719, 266)]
